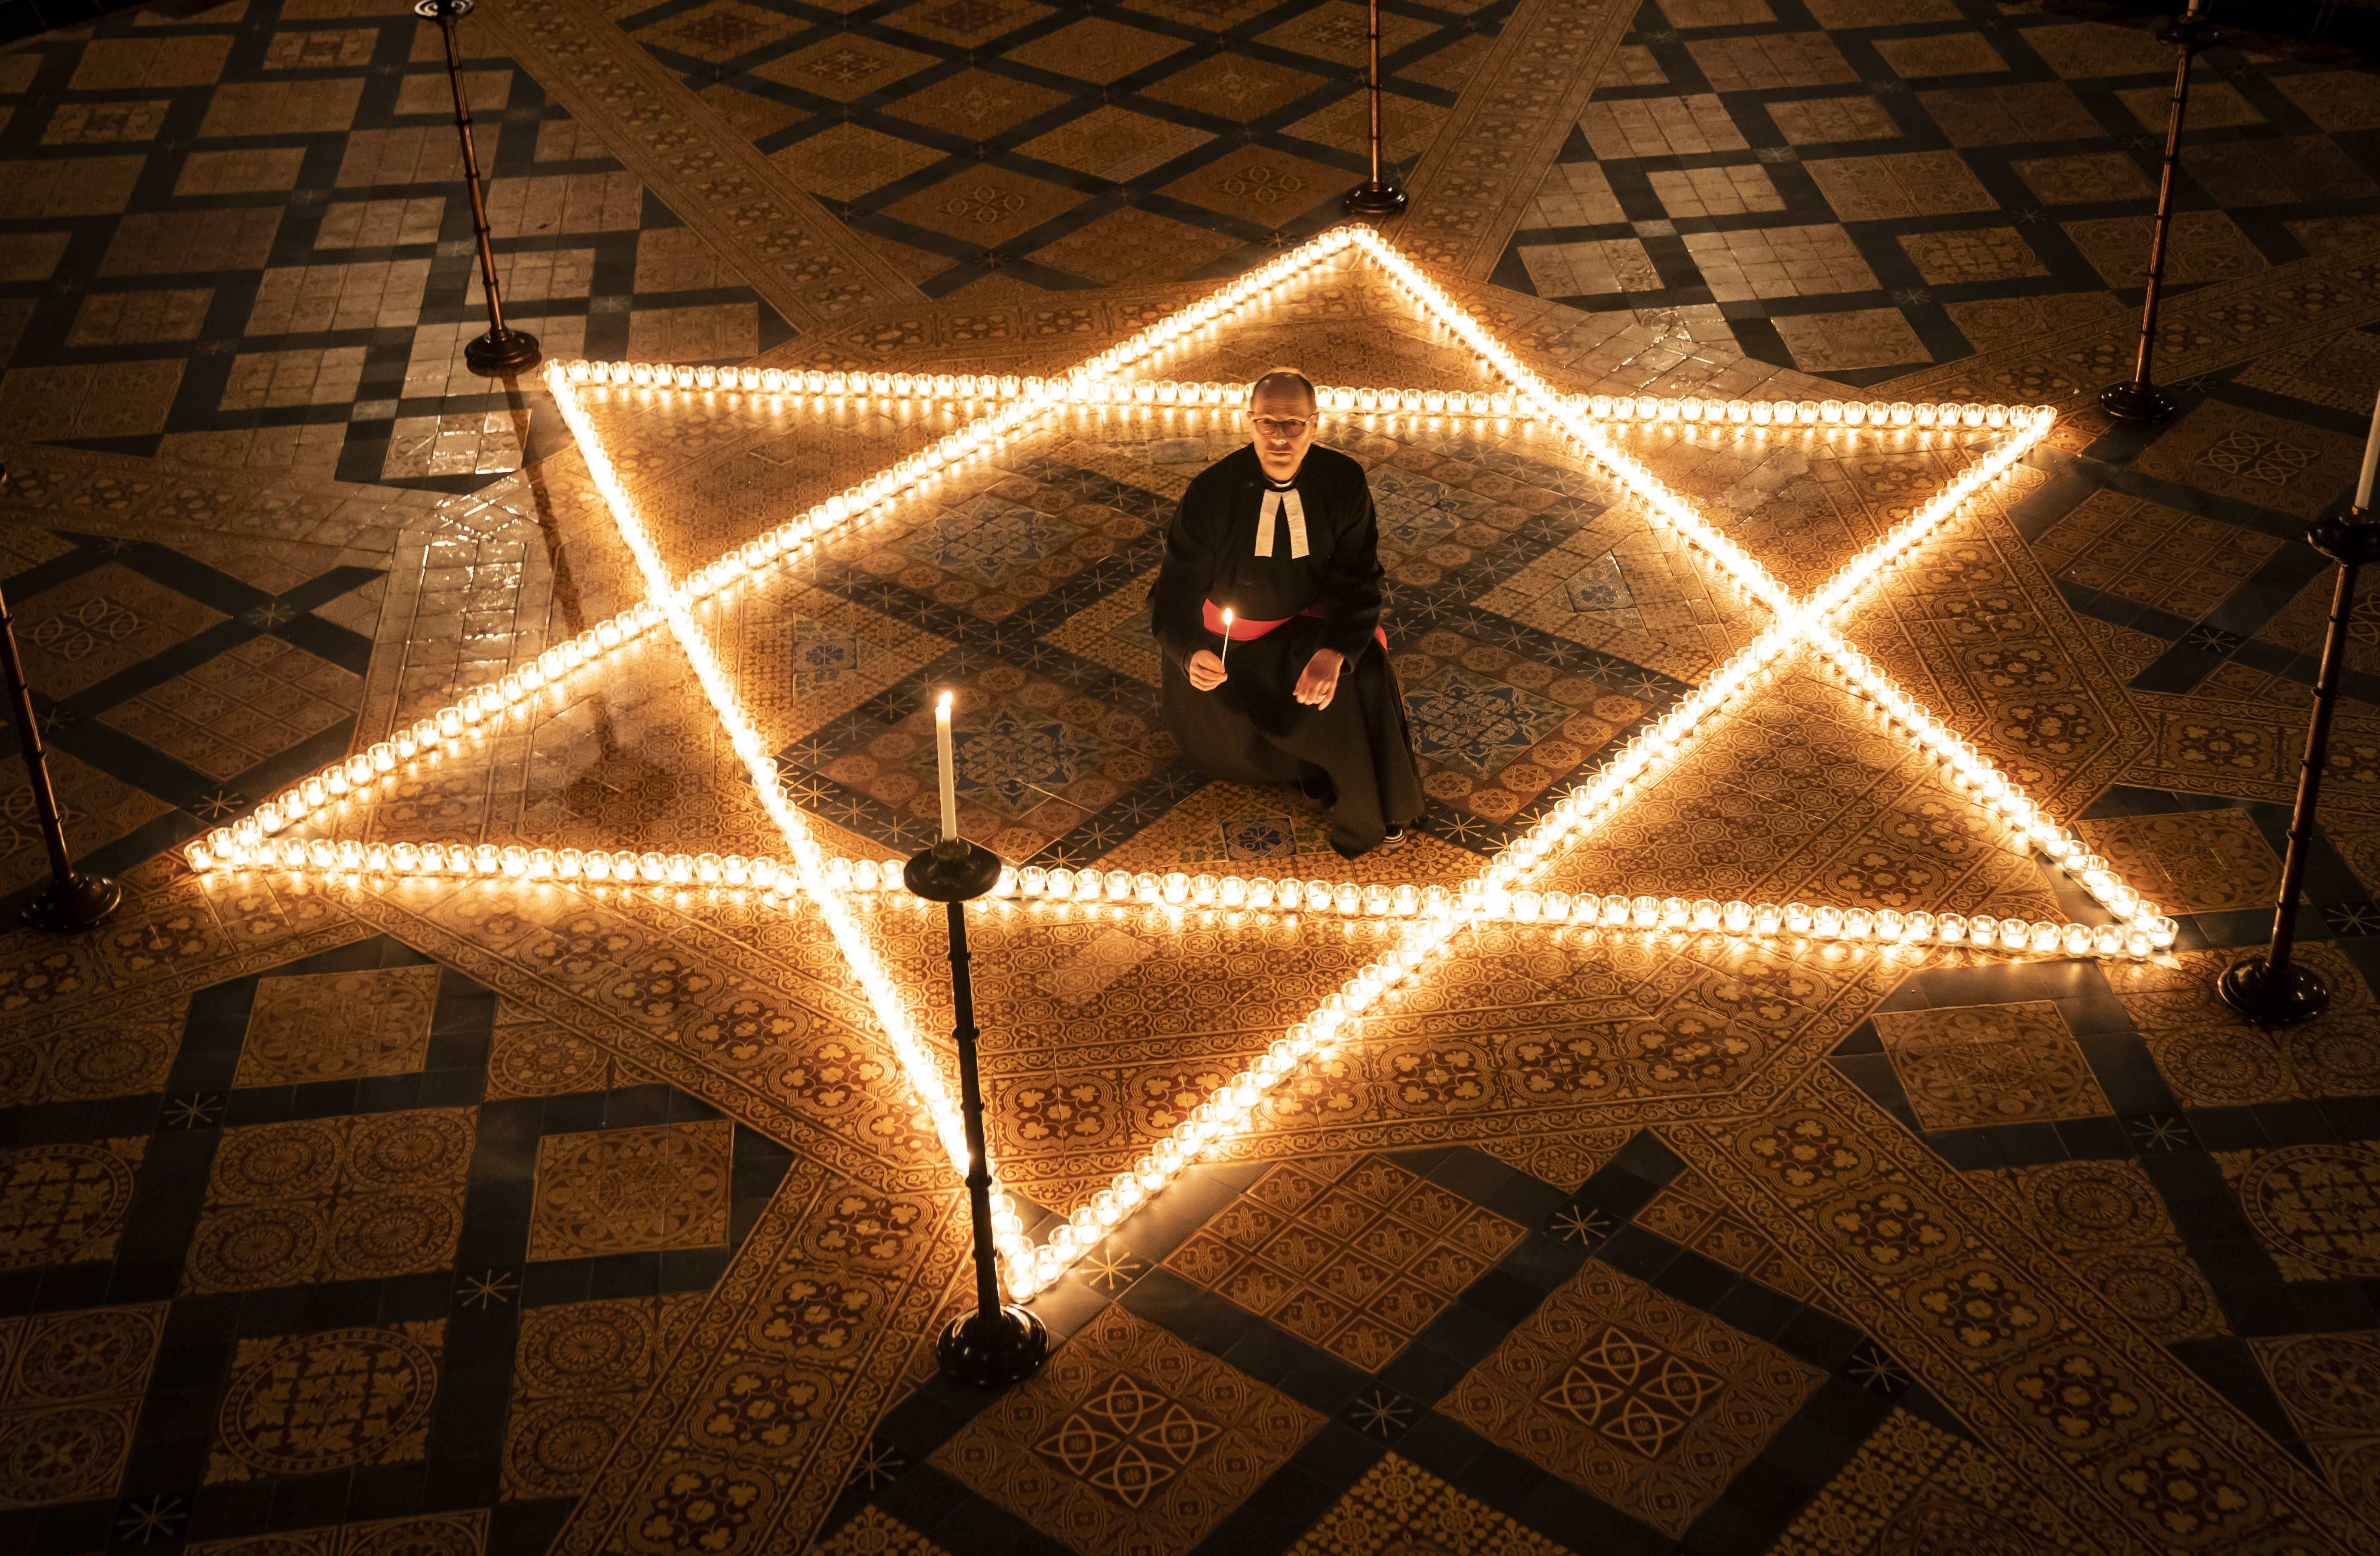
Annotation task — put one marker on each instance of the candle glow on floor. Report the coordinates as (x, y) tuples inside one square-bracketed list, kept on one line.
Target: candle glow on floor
[(1505, 889)]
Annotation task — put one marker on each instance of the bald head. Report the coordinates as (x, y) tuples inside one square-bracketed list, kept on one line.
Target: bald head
[(1285, 387)]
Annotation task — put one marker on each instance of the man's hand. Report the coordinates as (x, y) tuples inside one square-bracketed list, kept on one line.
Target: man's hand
[(1206, 670), (1316, 688)]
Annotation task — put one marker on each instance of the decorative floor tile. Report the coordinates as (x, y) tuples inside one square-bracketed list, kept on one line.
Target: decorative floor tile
[(2330, 1384), (1399, 1506), (330, 1025), (65, 1203), (1623, 1392), (1913, 1481), (109, 619), (343, 1199), (578, 1370), (1127, 1440), (2200, 861), (1989, 1064), (620, 1190), (2315, 1209), (1356, 1257), (334, 1400), (70, 1401)]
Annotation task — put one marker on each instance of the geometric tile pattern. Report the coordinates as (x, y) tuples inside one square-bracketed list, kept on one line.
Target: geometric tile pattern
[(238, 247), (1989, 1064), (1924, 184), (330, 1025), (72, 1399), (1127, 1440), (332, 1200), (1357, 1263), (1617, 1388), (623, 1190)]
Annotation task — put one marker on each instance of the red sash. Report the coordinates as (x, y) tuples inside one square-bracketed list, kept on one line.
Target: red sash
[(1244, 629)]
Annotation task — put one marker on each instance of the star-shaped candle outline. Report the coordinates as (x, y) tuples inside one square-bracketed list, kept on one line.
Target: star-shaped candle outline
[(1501, 888)]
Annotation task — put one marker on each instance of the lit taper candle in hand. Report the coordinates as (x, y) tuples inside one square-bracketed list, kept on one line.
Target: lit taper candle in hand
[(950, 773), (1225, 657)]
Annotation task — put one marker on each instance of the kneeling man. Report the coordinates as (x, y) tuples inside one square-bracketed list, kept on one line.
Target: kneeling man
[(1282, 535)]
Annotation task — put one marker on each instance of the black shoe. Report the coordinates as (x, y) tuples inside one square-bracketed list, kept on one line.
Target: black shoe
[(1321, 790), (1394, 837)]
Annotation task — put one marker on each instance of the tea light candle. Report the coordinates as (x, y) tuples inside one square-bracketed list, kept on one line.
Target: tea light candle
[(949, 775)]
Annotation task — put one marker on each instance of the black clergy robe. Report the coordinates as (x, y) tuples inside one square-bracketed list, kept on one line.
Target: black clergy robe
[(1252, 729)]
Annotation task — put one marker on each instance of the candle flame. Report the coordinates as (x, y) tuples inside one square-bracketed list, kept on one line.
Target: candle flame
[(942, 703)]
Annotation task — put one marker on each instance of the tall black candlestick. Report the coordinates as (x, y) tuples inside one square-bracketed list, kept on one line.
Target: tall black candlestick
[(68, 901), (2137, 398), (2269, 988), (502, 352), (1375, 197), (998, 1344)]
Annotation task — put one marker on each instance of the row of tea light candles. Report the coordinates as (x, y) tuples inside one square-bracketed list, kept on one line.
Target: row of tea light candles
[(475, 707), (794, 538), (1103, 391), (1473, 899)]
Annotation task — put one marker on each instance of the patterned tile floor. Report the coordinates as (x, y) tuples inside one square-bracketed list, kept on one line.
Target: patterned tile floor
[(344, 1218)]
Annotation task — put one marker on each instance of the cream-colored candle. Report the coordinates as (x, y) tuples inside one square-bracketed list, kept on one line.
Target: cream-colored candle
[(950, 772), (2370, 464), (1226, 655)]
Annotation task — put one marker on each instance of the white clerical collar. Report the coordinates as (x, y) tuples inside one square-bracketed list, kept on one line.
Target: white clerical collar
[(1276, 502)]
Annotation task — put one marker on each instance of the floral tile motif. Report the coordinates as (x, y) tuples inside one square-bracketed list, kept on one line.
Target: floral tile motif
[(578, 1370), (875, 1532), (1695, 1215), (2199, 862), (1645, 1402), (1478, 726), (250, 702), (822, 657), (1989, 1064), (2212, 1058), (70, 1398), (65, 1203), (612, 1191), (2315, 1209), (1016, 760), (427, 1533), (2109, 1220), (1399, 1508), (1914, 1487), (331, 1026), (311, 1403), (2330, 1386), (1108, 957), (1415, 512), (1355, 1257), (2152, 554), (122, 1057), (529, 1056), (989, 540), (110, 618), (2257, 459), (1600, 590), (340, 1199), (1128, 1441)]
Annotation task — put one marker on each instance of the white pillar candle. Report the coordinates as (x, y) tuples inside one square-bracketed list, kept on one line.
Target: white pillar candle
[(2371, 463), (950, 772)]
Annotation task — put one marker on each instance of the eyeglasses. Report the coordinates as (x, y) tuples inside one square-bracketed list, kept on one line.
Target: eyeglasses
[(1273, 427)]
